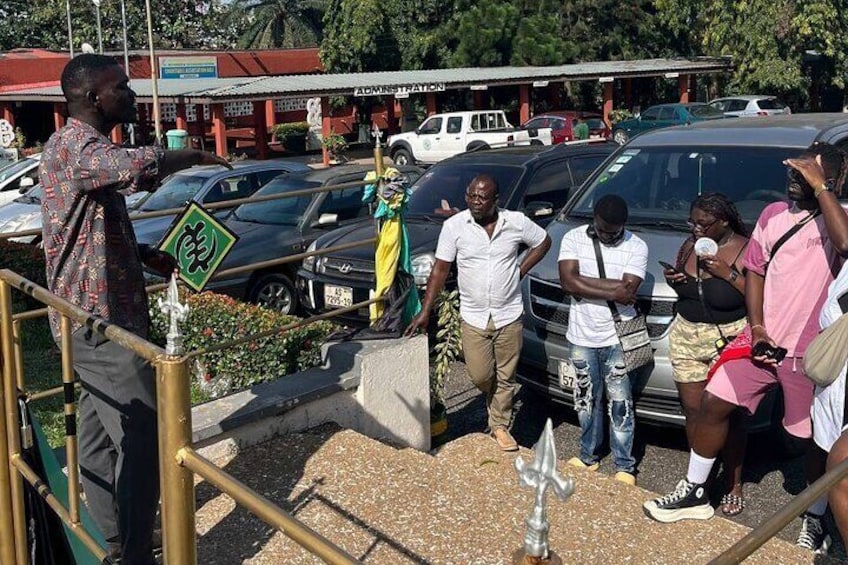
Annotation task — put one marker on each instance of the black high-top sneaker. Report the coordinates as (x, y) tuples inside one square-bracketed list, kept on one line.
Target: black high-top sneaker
[(688, 502)]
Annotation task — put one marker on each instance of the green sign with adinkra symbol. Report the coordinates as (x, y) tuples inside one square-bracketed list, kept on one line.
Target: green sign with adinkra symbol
[(199, 242)]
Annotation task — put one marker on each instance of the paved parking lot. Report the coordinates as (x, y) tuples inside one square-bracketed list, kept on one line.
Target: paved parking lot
[(770, 478)]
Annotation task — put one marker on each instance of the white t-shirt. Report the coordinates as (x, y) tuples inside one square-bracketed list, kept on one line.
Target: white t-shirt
[(488, 268), (590, 322), (829, 401)]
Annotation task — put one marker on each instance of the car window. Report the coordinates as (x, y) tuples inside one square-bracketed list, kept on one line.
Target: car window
[(659, 183), (442, 187), (651, 114), (455, 124), (595, 123), (264, 177), (230, 188), (770, 104), (500, 121), (559, 123), (475, 122), (720, 105), (433, 125), (537, 123), (583, 167), (548, 179), (667, 113), (282, 212), (346, 203), (15, 169), (736, 105), (175, 192), (703, 111)]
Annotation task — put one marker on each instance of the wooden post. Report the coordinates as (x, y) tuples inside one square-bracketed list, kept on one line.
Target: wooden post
[(555, 95), (270, 115), (58, 116), (219, 130), (608, 90), (683, 86), (117, 135), (260, 131), (325, 128), (523, 103), (182, 119), (431, 104), (478, 99), (6, 113)]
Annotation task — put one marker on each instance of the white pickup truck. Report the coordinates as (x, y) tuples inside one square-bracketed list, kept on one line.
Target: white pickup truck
[(444, 135)]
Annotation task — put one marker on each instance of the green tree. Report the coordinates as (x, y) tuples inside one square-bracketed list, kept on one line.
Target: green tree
[(539, 40), (278, 23), (483, 33), (358, 37)]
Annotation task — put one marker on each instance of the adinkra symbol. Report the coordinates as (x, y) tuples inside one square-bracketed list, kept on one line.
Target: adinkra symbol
[(192, 243)]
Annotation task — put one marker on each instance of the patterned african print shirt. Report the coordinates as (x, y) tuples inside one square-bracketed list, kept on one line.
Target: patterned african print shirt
[(92, 256)]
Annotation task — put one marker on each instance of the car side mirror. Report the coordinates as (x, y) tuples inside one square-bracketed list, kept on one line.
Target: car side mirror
[(326, 220), (539, 209), (25, 184)]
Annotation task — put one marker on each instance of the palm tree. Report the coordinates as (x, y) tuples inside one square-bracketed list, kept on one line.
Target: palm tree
[(279, 23)]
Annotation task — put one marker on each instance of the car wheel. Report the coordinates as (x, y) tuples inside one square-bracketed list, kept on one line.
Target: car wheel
[(620, 136), (402, 157), (536, 142), (275, 292)]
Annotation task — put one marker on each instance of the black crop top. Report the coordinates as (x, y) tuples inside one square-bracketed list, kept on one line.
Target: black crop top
[(725, 302)]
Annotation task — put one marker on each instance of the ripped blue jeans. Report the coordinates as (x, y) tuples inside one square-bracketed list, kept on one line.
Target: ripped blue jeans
[(599, 369)]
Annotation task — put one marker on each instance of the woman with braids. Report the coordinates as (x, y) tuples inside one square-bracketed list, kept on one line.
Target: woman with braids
[(710, 312)]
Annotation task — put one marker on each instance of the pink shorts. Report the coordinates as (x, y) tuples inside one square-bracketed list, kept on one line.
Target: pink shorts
[(744, 383)]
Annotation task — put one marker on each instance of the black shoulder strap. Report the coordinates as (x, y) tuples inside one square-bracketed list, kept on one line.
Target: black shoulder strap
[(789, 233), (603, 274)]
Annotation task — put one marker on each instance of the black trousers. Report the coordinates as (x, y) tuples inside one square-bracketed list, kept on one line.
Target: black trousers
[(118, 445)]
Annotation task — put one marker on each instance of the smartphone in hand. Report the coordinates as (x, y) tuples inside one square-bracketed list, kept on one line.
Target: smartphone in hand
[(668, 266)]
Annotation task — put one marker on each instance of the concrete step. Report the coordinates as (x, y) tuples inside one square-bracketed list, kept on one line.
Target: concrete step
[(463, 505)]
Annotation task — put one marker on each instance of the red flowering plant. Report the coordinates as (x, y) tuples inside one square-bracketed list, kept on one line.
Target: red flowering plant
[(215, 318)]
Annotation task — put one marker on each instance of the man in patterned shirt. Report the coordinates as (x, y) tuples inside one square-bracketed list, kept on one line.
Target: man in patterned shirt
[(94, 262)]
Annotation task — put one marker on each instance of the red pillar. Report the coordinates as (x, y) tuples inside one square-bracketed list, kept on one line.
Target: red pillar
[(683, 86), (58, 115), (270, 115), (391, 114), (326, 130), (260, 131), (219, 129), (431, 104), (608, 89), (117, 135), (523, 103), (478, 99), (6, 113), (182, 119), (628, 93), (399, 114)]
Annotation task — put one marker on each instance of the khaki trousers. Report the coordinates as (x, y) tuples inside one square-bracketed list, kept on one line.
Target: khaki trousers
[(491, 358)]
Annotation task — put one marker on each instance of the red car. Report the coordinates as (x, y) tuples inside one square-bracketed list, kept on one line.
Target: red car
[(557, 127)]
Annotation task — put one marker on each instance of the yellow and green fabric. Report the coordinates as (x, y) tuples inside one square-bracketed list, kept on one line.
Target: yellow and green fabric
[(391, 191)]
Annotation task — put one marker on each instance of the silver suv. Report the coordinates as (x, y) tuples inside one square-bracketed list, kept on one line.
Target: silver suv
[(659, 173)]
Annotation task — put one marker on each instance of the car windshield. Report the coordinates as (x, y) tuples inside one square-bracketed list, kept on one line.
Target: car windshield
[(704, 111), (659, 183), (15, 168), (441, 190), (770, 104), (595, 123), (32, 196), (175, 192), (282, 212)]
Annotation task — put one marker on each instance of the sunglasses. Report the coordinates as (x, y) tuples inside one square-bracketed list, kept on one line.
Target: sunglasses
[(693, 225)]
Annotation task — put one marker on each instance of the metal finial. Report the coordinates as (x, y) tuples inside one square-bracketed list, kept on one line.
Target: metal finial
[(376, 134), (176, 313), (541, 473)]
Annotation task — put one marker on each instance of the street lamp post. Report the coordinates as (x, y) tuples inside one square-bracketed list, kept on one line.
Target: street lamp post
[(70, 34), (130, 127), (99, 29)]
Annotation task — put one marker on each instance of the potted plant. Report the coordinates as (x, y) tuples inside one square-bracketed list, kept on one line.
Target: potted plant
[(292, 135), (336, 145), (448, 348)]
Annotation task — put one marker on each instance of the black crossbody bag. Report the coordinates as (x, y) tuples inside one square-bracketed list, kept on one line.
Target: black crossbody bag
[(633, 333)]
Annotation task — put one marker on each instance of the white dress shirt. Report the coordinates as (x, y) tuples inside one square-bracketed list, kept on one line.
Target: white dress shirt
[(488, 268)]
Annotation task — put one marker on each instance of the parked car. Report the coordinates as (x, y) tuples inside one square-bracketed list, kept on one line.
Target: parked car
[(663, 116), (18, 177), (536, 179), (659, 174), (756, 105), (276, 228), (205, 184), (444, 135), (558, 127)]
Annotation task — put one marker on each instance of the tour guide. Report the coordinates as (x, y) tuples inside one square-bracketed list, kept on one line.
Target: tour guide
[(485, 241), (93, 261)]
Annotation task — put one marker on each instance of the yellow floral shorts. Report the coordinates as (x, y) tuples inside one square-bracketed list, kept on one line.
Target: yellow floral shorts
[(692, 347)]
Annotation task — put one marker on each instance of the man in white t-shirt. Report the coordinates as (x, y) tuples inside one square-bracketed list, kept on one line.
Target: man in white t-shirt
[(594, 348), (485, 241)]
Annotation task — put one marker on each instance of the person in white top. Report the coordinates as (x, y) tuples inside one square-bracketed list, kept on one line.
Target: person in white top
[(485, 243), (594, 349)]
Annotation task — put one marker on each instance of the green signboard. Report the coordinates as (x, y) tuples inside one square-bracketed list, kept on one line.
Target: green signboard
[(199, 242)]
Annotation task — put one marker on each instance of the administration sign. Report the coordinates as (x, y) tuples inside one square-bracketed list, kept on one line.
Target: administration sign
[(403, 90), (188, 67), (199, 242)]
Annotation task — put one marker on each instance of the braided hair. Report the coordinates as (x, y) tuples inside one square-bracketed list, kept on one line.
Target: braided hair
[(834, 161), (720, 207)]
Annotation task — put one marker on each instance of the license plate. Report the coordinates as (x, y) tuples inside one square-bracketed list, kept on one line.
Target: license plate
[(566, 374), (341, 296)]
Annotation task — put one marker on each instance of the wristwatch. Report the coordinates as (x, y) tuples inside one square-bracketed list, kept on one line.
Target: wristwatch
[(827, 186), (733, 276)]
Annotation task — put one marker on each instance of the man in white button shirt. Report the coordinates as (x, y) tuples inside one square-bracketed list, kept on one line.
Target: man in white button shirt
[(485, 243), (594, 347)]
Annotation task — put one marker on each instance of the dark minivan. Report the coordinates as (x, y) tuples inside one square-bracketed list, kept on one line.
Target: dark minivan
[(535, 179)]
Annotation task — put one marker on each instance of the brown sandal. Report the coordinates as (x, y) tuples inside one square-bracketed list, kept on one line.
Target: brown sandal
[(732, 504)]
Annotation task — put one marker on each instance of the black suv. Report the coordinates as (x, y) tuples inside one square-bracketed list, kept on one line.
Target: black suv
[(535, 179)]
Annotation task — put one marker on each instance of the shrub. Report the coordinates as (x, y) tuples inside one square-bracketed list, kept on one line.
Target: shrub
[(28, 261), (297, 129), (336, 144), (214, 318), (619, 115)]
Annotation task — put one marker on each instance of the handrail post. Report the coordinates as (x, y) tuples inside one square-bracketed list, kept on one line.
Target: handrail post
[(17, 543), (7, 532), (71, 441), (177, 482)]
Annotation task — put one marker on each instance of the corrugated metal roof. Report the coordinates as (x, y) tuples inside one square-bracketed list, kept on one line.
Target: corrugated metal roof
[(260, 88)]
